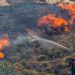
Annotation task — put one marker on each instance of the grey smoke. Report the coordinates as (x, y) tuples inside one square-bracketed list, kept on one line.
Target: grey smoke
[(43, 42)]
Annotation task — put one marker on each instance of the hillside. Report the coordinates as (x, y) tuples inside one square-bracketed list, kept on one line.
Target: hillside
[(28, 55), (31, 58)]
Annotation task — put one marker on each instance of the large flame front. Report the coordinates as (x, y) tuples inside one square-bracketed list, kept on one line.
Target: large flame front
[(54, 22), (57, 22)]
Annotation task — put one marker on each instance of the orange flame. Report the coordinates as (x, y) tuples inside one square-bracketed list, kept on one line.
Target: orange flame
[(2, 55), (71, 10), (70, 7), (54, 22), (4, 42)]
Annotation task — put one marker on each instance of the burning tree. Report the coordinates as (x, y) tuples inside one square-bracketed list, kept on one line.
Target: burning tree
[(54, 23), (3, 43)]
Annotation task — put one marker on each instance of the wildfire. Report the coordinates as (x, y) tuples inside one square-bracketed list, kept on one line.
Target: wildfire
[(54, 22), (2, 55), (58, 22), (4, 42), (71, 10), (70, 7)]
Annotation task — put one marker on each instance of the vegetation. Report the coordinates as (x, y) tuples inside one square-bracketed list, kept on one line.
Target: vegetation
[(30, 58)]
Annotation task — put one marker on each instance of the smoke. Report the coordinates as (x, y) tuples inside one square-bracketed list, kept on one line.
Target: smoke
[(48, 43), (21, 39), (31, 36)]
